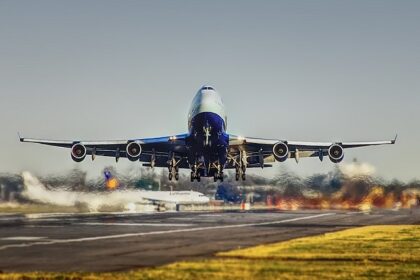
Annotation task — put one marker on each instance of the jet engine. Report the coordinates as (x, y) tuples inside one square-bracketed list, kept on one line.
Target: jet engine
[(280, 151), (133, 151), (336, 153), (78, 152)]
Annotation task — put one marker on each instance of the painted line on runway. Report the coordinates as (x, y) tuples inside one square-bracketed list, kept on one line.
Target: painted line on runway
[(136, 224), (95, 238), (210, 215), (23, 238)]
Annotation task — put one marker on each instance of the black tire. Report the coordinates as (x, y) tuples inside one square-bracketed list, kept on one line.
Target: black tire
[(170, 176), (192, 177), (198, 179), (243, 177), (215, 178), (237, 176), (177, 176)]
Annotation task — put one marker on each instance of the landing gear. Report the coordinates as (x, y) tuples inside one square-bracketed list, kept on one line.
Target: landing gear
[(218, 176), (240, 175), (173, 173), (241, 170), (173, 167), (195, 176)]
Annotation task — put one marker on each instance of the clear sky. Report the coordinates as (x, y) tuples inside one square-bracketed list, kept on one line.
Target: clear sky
[(298, 70)]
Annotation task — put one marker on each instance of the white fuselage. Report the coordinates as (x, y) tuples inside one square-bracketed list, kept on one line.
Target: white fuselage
[(207, 100), (177, 197)]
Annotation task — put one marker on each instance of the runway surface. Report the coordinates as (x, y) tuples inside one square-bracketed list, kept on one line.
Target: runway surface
[(115, 242)]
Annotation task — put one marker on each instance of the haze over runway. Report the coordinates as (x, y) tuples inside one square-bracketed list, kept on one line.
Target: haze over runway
[(315, 71)]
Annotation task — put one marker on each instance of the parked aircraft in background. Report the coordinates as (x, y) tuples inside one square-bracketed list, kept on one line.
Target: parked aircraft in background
[(159, 197), (207, 149)]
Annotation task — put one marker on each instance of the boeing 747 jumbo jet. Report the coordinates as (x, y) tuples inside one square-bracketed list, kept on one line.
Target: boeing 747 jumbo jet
[(207, 149)]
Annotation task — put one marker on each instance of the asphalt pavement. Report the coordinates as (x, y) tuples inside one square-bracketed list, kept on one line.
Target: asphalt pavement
[(123, 241)]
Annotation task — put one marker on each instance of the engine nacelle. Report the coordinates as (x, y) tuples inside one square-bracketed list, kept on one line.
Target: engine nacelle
[(336, 153), (78, 152), (133, 151), (280, 151)]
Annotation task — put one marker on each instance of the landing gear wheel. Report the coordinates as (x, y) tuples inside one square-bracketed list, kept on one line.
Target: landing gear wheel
[(192, 177), (243, 177), (221, 177), (177, 176), (170, 176), (198, 178), (215, 178), (237, 176)]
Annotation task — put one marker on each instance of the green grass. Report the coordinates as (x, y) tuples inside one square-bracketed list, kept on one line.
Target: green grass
[(373, 252)]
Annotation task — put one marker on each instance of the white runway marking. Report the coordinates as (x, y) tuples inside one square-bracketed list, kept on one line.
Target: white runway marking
[(41, 226), (210, 215), (23, 238), (95, 238), (137, 224)]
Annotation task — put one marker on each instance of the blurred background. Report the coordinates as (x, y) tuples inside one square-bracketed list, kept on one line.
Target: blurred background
[(297, 70)]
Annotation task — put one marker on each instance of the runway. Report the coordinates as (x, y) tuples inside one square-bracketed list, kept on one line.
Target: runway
[(121, 241)]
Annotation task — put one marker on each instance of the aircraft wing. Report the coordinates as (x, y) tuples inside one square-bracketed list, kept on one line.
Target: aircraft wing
[(160, 148), (257, 149)]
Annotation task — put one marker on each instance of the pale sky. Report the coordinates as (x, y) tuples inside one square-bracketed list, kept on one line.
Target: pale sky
[(297, 70)]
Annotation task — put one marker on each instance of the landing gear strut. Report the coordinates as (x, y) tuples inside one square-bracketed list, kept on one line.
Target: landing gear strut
[(218, 176), (240, 174), (195, 174), (173, 173), (241, 167), (173, 168)]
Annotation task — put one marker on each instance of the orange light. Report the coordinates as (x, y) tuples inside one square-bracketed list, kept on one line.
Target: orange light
[(112, 183)]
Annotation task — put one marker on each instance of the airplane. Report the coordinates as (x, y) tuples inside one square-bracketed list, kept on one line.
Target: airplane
[(159, 197), (174, 197), (207, 149)]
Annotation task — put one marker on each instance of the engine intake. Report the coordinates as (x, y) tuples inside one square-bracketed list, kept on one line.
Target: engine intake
[(336, 153), (133, 151), (281, 151), (78, 152)]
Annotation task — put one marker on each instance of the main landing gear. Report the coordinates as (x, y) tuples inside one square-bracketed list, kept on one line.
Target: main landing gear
[(173, 168), (240, 166), (240, 173), (195, 174), (218, 176), (173, 173)]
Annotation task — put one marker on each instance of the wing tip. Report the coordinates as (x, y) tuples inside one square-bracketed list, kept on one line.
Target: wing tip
[(395, 139), (21, 139)]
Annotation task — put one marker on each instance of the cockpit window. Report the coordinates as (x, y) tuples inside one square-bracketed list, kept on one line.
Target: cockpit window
[(208, 88)]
